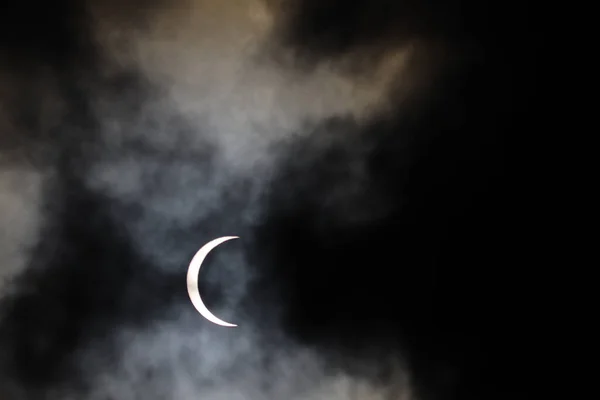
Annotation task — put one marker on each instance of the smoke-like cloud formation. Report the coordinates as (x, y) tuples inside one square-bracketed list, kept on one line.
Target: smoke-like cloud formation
[(20, 206), (173, 136), (221, 98), (355, 148)]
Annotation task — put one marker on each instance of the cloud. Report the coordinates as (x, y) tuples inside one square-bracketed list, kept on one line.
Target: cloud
[(20, 215), (215, 63), (213, 112), (193, 109), (178, 359)]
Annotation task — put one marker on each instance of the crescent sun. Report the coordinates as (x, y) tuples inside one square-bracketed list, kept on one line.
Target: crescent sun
[(192, 280)]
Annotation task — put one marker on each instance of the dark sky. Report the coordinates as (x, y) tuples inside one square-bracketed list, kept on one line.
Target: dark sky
[(421, 262)]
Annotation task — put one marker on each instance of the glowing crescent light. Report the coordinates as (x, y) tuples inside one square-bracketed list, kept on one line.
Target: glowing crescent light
[(192, 280)]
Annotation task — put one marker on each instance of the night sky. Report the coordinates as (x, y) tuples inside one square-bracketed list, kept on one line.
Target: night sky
[(359, 149)]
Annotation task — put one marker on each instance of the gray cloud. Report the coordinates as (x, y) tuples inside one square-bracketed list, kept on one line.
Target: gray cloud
[(191, 150), (208, 59), (20, 214), (185, 363)]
